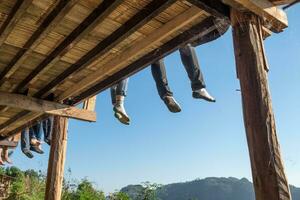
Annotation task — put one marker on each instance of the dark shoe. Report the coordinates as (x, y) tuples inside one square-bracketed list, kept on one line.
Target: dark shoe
[(172, 105), (37, 149), (203, 94), (28, 153), (48, 141)]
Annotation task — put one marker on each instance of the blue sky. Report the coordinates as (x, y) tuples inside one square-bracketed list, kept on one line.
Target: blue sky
[(204, 140)]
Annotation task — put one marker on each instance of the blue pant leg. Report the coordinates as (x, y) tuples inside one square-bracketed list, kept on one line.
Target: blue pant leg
[(121, 87), (25, 141), (35, 132), (159, 74), (192, 67)]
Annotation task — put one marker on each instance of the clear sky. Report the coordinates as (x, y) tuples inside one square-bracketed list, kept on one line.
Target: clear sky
[(204, 140)]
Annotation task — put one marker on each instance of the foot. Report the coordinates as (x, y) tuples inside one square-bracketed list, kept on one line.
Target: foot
[(203, 94), (28, 153), (6, 156), (35, 142), (172, 105), (37, 149), (121, 114)]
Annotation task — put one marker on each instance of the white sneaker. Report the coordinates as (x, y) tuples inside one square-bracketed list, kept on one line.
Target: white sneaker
[(121, 114), (203, 94)]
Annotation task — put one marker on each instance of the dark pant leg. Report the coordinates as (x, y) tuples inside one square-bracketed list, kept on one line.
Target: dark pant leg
[(158, 70), (47, 125), (25, 142), (113, 94), (35, 132), (191, 64)]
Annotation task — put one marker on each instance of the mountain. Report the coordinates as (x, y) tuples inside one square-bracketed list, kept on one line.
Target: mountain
[(205, 189)]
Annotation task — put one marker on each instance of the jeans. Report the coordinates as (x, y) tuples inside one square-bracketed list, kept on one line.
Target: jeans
[(120, 89), (35, 132), (189, 60), (158, 70), (191, 65), (25, 141), (47, 125), (27, 134)]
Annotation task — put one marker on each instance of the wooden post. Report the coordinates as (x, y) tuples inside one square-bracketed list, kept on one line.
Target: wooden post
[(57, 159), (269, 178)]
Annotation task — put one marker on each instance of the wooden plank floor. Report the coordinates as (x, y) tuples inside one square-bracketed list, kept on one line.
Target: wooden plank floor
[(56, 46)]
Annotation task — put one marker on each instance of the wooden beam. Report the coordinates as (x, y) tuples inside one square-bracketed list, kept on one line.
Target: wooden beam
[(9, 144), (157, 36), (214, 7), (282, 2), (47, 107), (61, 5), (90, 103), (201, 29), (140, 19), (57, 157), (12, 19), (88, 24), (274, 18), (268, 173)]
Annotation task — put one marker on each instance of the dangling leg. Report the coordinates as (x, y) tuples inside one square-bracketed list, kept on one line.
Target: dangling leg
[(191, 64), (47, 125), (5, 156), (35, 138), (159, 74), (25, 143), (1, 153), (118, 94)]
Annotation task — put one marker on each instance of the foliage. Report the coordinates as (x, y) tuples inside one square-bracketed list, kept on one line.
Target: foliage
[(30, 185), (149, 191), (118, 196)]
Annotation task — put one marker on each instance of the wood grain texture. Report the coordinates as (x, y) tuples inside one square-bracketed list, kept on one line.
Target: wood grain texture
[(273, 17), (57, 159), (45, 107), (268, 173), (157, 36)]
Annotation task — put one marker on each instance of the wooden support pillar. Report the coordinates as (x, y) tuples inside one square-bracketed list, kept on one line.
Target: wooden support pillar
[(269, 178), (57, 159)]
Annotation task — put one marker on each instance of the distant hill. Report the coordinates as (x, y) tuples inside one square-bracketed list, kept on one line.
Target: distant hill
[(206, 189)]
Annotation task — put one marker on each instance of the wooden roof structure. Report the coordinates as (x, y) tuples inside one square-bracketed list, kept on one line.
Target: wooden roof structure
[(55, 54)]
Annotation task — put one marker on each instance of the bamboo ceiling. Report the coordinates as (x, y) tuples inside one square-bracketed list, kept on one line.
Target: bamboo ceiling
[(76, 48)]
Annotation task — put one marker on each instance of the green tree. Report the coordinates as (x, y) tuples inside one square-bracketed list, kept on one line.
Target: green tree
[(149, 191), (28, 185), (86, 191), (119, 196)]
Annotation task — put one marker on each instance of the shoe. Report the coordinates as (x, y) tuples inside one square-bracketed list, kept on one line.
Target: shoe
[(28, 153), (203, 94), (48, 142), (35, 142), (172, 105), (121, 114), (37, 149), (121, 119)]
